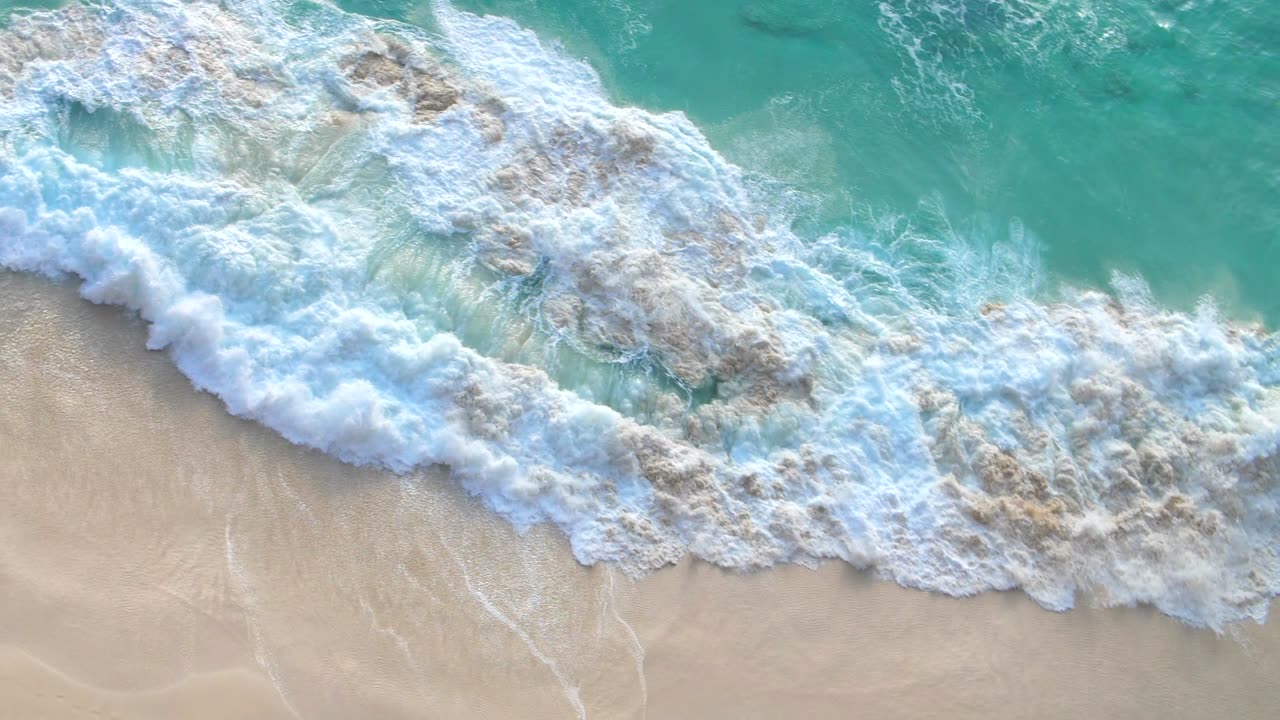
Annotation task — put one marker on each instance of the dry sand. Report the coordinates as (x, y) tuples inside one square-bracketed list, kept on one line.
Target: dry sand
[(161, 559)]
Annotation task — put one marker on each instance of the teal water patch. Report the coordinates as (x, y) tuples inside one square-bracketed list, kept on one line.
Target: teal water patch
[(1134, 135), (8, 6), (113, 140)]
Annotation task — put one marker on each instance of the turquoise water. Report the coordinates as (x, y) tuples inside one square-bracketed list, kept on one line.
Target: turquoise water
[(1137, 135), (756, 282)]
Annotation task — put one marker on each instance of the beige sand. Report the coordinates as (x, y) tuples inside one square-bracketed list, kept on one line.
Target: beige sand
[(160, 559)]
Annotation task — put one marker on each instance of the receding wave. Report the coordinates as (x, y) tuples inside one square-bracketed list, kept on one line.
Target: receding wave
[(408, 248)]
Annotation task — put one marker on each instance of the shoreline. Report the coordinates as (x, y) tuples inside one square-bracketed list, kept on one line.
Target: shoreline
[(150, 542)]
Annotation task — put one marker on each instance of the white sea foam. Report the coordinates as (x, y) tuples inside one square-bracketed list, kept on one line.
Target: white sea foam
[(406, 249)]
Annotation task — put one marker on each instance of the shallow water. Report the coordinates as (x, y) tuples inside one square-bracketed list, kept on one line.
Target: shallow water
[(1135, 135), (161, 559), (733, 331)]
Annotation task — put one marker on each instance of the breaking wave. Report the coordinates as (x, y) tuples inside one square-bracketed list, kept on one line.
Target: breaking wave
[(405, 248)]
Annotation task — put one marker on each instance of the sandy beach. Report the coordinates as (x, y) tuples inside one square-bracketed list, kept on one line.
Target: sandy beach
[(162, 559)]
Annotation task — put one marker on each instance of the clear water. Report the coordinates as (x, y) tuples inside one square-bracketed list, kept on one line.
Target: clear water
[(1138, 135), (760, 282)]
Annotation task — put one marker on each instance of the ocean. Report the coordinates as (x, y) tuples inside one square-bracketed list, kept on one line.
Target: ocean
[(976, 294)]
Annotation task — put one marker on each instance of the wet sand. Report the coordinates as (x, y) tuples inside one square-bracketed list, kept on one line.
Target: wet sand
[(161, 559)]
